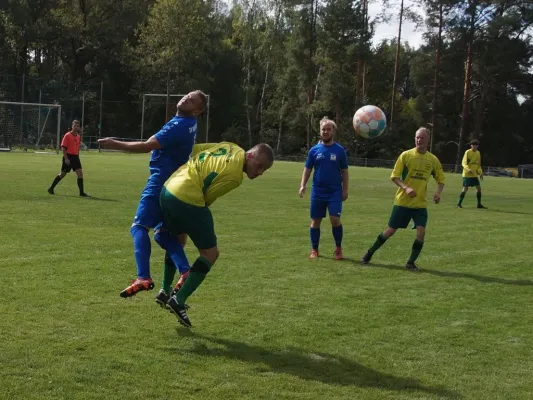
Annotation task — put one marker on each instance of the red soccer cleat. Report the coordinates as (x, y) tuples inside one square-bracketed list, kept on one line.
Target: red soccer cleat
[(314, 254), (136, 286), (338, 254)]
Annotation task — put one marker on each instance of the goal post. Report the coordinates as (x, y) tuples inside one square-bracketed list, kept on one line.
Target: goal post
[(162, 101), (30, 125)]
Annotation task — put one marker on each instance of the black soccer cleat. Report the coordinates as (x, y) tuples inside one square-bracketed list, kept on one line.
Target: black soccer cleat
[(162, 298), (179, 311), (411, 266), (366, 258), (83, 194), (481, 206), (51, 191), (459, 206)]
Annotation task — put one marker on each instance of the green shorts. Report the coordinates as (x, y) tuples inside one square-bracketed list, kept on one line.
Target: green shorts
[(401, 216), (470, 182), (180, 217)]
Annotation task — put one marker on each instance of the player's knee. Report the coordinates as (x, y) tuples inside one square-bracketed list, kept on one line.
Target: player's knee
[(387, 233), (335, 221), (138, 229), (315, 222), (182, 239), (62, 174), (79, 172), (420, 233), (210, 255)]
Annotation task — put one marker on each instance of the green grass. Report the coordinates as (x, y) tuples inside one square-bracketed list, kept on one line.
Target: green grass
[(268, 322)]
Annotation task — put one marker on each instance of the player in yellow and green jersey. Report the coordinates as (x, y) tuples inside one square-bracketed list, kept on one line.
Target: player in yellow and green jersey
[(472, 173), (411, 174), (212, 171)]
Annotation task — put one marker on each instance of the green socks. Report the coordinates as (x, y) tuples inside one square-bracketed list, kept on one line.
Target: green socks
[(168, 274), (378, 243), (199, 271), (415, 252)]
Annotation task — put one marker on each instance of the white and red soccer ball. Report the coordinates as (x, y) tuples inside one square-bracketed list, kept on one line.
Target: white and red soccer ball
[(369, 122)]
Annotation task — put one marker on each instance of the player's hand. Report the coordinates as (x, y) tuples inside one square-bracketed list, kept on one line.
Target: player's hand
[(436, 198), (468, 170), (344, 196), (410, 192), (301, 192), (67, 161), (106, 143), (481, 176)]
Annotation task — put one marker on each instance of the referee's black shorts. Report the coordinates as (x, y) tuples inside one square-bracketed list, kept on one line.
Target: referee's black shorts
[(75, 163)]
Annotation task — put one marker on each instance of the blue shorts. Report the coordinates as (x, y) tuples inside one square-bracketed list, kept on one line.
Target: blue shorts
[(318, 208), (149, 212)]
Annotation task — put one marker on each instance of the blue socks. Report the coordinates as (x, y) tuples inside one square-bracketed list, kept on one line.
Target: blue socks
[(337, 235), (174, 249), (315, 237), (143, 250)]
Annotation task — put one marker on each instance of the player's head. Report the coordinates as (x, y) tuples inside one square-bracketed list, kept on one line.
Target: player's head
[(328, 128), (192, 104), (75, 126), (422, 139), (258, 159), (474, 144)]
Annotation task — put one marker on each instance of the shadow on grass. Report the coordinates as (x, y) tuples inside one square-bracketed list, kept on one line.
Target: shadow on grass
[(87, 198), (451, 274), (321, 367), (509, 211)]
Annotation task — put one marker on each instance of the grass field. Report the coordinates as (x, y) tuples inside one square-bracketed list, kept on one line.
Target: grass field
[(268, 322)]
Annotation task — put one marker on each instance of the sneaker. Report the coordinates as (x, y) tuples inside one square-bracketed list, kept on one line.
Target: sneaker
[(51, 191), (459, 206), (136, 286), (314, 254), (179, 311), (83, 194), (412, 266), (481, 206), (181, 281), (162, 298), (366, 258), (338, 254)]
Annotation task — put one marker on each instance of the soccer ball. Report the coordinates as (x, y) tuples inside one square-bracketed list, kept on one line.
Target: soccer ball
[(369, 122)]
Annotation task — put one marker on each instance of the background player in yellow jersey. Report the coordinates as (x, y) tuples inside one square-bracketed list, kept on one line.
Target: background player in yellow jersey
[(212, 171), (471, 171), (411, 174)]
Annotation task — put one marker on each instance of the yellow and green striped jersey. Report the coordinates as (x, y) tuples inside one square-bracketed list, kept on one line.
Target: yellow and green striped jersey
[(213, 170), (415, 169)]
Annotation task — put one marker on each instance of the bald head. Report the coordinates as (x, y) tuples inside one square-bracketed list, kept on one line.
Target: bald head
[(422, 140)]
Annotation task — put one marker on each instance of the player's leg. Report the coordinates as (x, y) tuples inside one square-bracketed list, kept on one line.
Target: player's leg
[(147, 216), (169, 271), (199, 225), (65, 169), (478, 194), (317, 213), (399, 219), (334, 210), (75, 164), (420, 217), (463, 193)]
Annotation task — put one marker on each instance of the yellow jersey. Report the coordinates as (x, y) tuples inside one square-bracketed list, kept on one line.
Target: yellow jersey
[(415, 169), (472, 162), (213, 170)]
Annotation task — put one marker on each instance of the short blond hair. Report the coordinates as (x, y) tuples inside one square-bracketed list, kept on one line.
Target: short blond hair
[(326, 120)]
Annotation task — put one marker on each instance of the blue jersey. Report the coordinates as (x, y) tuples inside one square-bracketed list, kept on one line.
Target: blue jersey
[(327, 161), (176, 138)]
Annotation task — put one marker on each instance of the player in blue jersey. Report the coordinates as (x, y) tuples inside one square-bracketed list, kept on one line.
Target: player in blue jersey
[(170, 148), (330, 185)]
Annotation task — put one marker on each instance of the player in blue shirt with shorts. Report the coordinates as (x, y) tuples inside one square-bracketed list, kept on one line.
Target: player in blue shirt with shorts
[(330, 185), (171, 148)]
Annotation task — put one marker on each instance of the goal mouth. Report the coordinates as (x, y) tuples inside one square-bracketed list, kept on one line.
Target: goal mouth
[(30, 127)]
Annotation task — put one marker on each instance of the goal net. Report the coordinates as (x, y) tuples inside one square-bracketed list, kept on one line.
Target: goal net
[(29, 126), (158, 108)]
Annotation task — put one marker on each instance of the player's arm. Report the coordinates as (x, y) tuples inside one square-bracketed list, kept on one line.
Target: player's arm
[(64, 147), (218, 189), (131, 147), (438, 175), (479, 169), (396, 176), (306, 173), (465, 162), (345, 176)]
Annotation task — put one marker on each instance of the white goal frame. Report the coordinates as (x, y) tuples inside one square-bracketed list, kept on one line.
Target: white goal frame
[(39, 105), (145, 95)]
